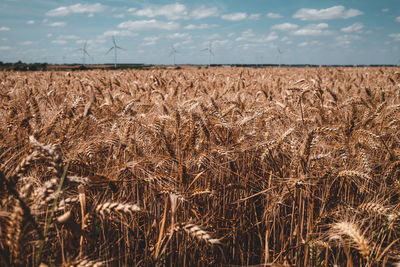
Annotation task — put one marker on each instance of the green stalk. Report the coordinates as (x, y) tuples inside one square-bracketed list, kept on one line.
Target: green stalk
[(50, 218)]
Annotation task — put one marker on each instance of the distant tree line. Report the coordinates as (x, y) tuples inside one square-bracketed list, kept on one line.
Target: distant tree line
[(21, 66)]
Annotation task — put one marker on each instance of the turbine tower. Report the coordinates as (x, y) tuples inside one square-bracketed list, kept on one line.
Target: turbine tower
[(173, 52), (84, 53), (279, 56), (115, 47), (210, 52)]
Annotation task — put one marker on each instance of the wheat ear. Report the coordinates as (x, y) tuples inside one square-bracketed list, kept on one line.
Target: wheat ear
[(110, 207), (351, 230), (195, 231)]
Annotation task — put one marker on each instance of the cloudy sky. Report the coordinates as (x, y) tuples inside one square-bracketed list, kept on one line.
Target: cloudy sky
[(239, 31)]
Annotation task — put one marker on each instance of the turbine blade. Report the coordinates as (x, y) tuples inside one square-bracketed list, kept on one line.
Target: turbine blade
[(119, 47), (109, 50)]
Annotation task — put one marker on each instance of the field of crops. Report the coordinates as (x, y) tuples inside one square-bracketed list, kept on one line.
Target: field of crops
[(198, 167)]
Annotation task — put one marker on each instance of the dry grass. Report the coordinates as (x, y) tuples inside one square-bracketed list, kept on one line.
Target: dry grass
[(219, 166)]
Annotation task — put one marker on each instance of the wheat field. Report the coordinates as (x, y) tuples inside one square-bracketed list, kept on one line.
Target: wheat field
[(199, 167)]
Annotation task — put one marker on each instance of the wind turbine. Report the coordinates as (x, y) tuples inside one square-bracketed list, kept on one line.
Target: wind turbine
[(173, 52), (210, 52), (84, 52), (279, 56), (115, 47)]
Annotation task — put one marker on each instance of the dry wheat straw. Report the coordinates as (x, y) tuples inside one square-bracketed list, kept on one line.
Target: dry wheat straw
[(154, 129)]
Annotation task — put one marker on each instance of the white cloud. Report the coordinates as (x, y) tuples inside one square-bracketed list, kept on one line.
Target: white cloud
[(57, 24), (395, 36), (355, 27), (179, 36), (335, 12), (4, 29), (118, 16), (285, 26), (87, 8), (60, 42), (254, 16), (213, 36), (313, 30), (397, 19), (76, 9), (26, 43), (219, 43), (49, 35), (347, 39), (271, 36), (235, 16), (118, 33), (30, 22), (68, 37), (286, 40), (251, 36), (204, 12), (148, 25), (246, 35), (200, 27), (58, 12), (88, 42), (183, 43), (247, 46), (150, 40), (63, 39), (171, 11), (304, 44), (5, 48), (385, 10), (4, 39), (271, 15)]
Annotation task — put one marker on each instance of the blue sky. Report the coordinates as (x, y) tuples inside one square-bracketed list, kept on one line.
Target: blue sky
[(252, 31)]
